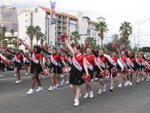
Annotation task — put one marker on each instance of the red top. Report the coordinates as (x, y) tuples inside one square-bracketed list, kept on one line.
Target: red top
[(63, 58), (124, 59), (140, 59), (79, 58), (19, 56), (90, 59), (102, 58), (115, 58), (148, 61), (56, 56), (37, 55), (132, 59)]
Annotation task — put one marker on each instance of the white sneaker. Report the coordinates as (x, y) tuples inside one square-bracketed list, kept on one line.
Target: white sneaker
[(61, 76), (62, 82), (76, 103), (15, 75), (39, 89), (104, 88), (31, 91), (26, 73), (50, 88), (86, 95), (67, 82), (130, 84), (142, 79), (126, 83), (55, 87), (137, 81), (120, 85), (91, 94), (18, 81), (99, 92)]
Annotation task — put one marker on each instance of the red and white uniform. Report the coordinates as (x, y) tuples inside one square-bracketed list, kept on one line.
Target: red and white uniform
[(18, 58), (77, 61), (102, 61), (36, 57), (55, 58), (90, 61)]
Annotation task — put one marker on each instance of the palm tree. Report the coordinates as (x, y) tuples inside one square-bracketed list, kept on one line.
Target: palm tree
[(125, 30), (37, 33), (75, 37), (31, 33), (42, 38), (101, 28)]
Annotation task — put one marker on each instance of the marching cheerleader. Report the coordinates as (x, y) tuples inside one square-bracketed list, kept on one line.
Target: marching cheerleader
[(122, 68), (101, 72), (138, 67), (131, 68), (76, 71), (36, 69), (65, 67), (89, 62), (26, 62), (112, 63), (18, 60), (147, 68), (55, 69)]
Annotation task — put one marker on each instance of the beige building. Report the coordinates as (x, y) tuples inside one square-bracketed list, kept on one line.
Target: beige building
[(8, 17)]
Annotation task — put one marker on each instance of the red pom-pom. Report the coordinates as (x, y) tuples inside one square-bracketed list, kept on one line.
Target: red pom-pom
[(86, 77), (115, 45), (63, 37)]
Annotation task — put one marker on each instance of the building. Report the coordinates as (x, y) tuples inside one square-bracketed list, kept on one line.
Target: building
[(8, 17), (65, 23)]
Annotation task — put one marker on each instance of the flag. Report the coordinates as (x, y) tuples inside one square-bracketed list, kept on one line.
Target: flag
[(52, 12)]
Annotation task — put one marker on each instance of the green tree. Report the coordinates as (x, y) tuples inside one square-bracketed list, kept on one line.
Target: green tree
[(91, 43), (75, 37), (101, 28), (125, 31), (38, 33), (31, 32)]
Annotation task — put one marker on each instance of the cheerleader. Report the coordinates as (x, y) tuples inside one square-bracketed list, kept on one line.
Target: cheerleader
[(65, 67), (36, 69), (55, 69), (138, 67), (147, 68), (101, 72), (112, 63), (131, 68), (76, 71), (27, 61), (122, 68), (18, 60), (89, 62)]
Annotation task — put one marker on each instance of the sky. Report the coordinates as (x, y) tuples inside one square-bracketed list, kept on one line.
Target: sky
[(114, 11)]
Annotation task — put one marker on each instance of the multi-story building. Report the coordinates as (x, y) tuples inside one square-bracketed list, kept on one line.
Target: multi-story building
[(65, 23), (8, 18)]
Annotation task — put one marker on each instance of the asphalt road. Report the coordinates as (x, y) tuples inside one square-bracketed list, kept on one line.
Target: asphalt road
[(13, 99)]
